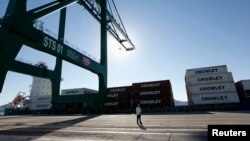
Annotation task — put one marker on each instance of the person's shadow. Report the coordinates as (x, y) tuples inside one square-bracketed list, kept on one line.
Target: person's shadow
[(142, 127)]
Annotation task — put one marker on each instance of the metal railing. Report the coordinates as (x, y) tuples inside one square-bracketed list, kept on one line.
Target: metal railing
[(31, 63), (39, 25)]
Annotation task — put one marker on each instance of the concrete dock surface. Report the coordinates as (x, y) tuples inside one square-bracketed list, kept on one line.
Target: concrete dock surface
[(115, 127)]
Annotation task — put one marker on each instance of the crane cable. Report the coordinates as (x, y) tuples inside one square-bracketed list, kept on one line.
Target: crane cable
[(112, 15), (78, 27), (119, 18)]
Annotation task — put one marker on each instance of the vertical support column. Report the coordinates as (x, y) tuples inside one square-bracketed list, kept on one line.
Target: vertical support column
[(56, 80), (3, 74), (103, 77), (10, 44), (8, 53)]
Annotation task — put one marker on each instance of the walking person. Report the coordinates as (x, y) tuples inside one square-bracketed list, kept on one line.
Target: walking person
[(138, 113)]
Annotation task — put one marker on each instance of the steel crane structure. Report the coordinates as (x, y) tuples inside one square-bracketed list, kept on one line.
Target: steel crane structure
[(17, 29)]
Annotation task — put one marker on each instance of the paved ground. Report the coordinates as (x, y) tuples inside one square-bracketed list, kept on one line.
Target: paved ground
[(160, 127)]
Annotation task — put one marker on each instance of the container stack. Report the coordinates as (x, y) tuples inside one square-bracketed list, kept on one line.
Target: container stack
[(78, 91), (210, 85), (118, 98), (243, 88), (152, 94)]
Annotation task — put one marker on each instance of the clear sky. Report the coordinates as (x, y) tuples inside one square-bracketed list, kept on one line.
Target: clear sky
[(170, 36)]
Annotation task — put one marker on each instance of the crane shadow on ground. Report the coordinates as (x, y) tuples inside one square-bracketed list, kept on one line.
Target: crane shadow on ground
[(37, 131)]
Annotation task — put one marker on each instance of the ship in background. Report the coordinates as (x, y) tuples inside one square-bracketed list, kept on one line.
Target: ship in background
[(39, 99)]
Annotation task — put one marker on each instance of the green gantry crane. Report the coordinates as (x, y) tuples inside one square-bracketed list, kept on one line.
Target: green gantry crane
[(17, 29)]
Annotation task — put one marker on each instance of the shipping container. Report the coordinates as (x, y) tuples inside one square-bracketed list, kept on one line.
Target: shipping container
[(206, 71), (210, 79), (117, 93), (246, 84), (118, 96), (125, 89), (159, 93), (243, 89), (121, 104), (218, 98), (78, 91), (152, 103), (162, 88), (150, 85), (152, 90), (152, 98), (212, 88)]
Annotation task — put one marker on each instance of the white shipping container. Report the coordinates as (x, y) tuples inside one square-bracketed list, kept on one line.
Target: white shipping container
[(231, 97), (206, 70), (212, 88), (246, 84), (210, 78), (73, 91), (78, 91), (40, 106), (40, 99)]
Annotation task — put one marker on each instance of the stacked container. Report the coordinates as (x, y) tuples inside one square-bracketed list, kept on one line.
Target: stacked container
[(243, 88), (152, 94), (78, 91), (210, 85), (118, 98)]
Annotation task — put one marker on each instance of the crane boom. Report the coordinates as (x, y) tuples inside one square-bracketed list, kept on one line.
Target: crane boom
[(114, 28), (94, 8)]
